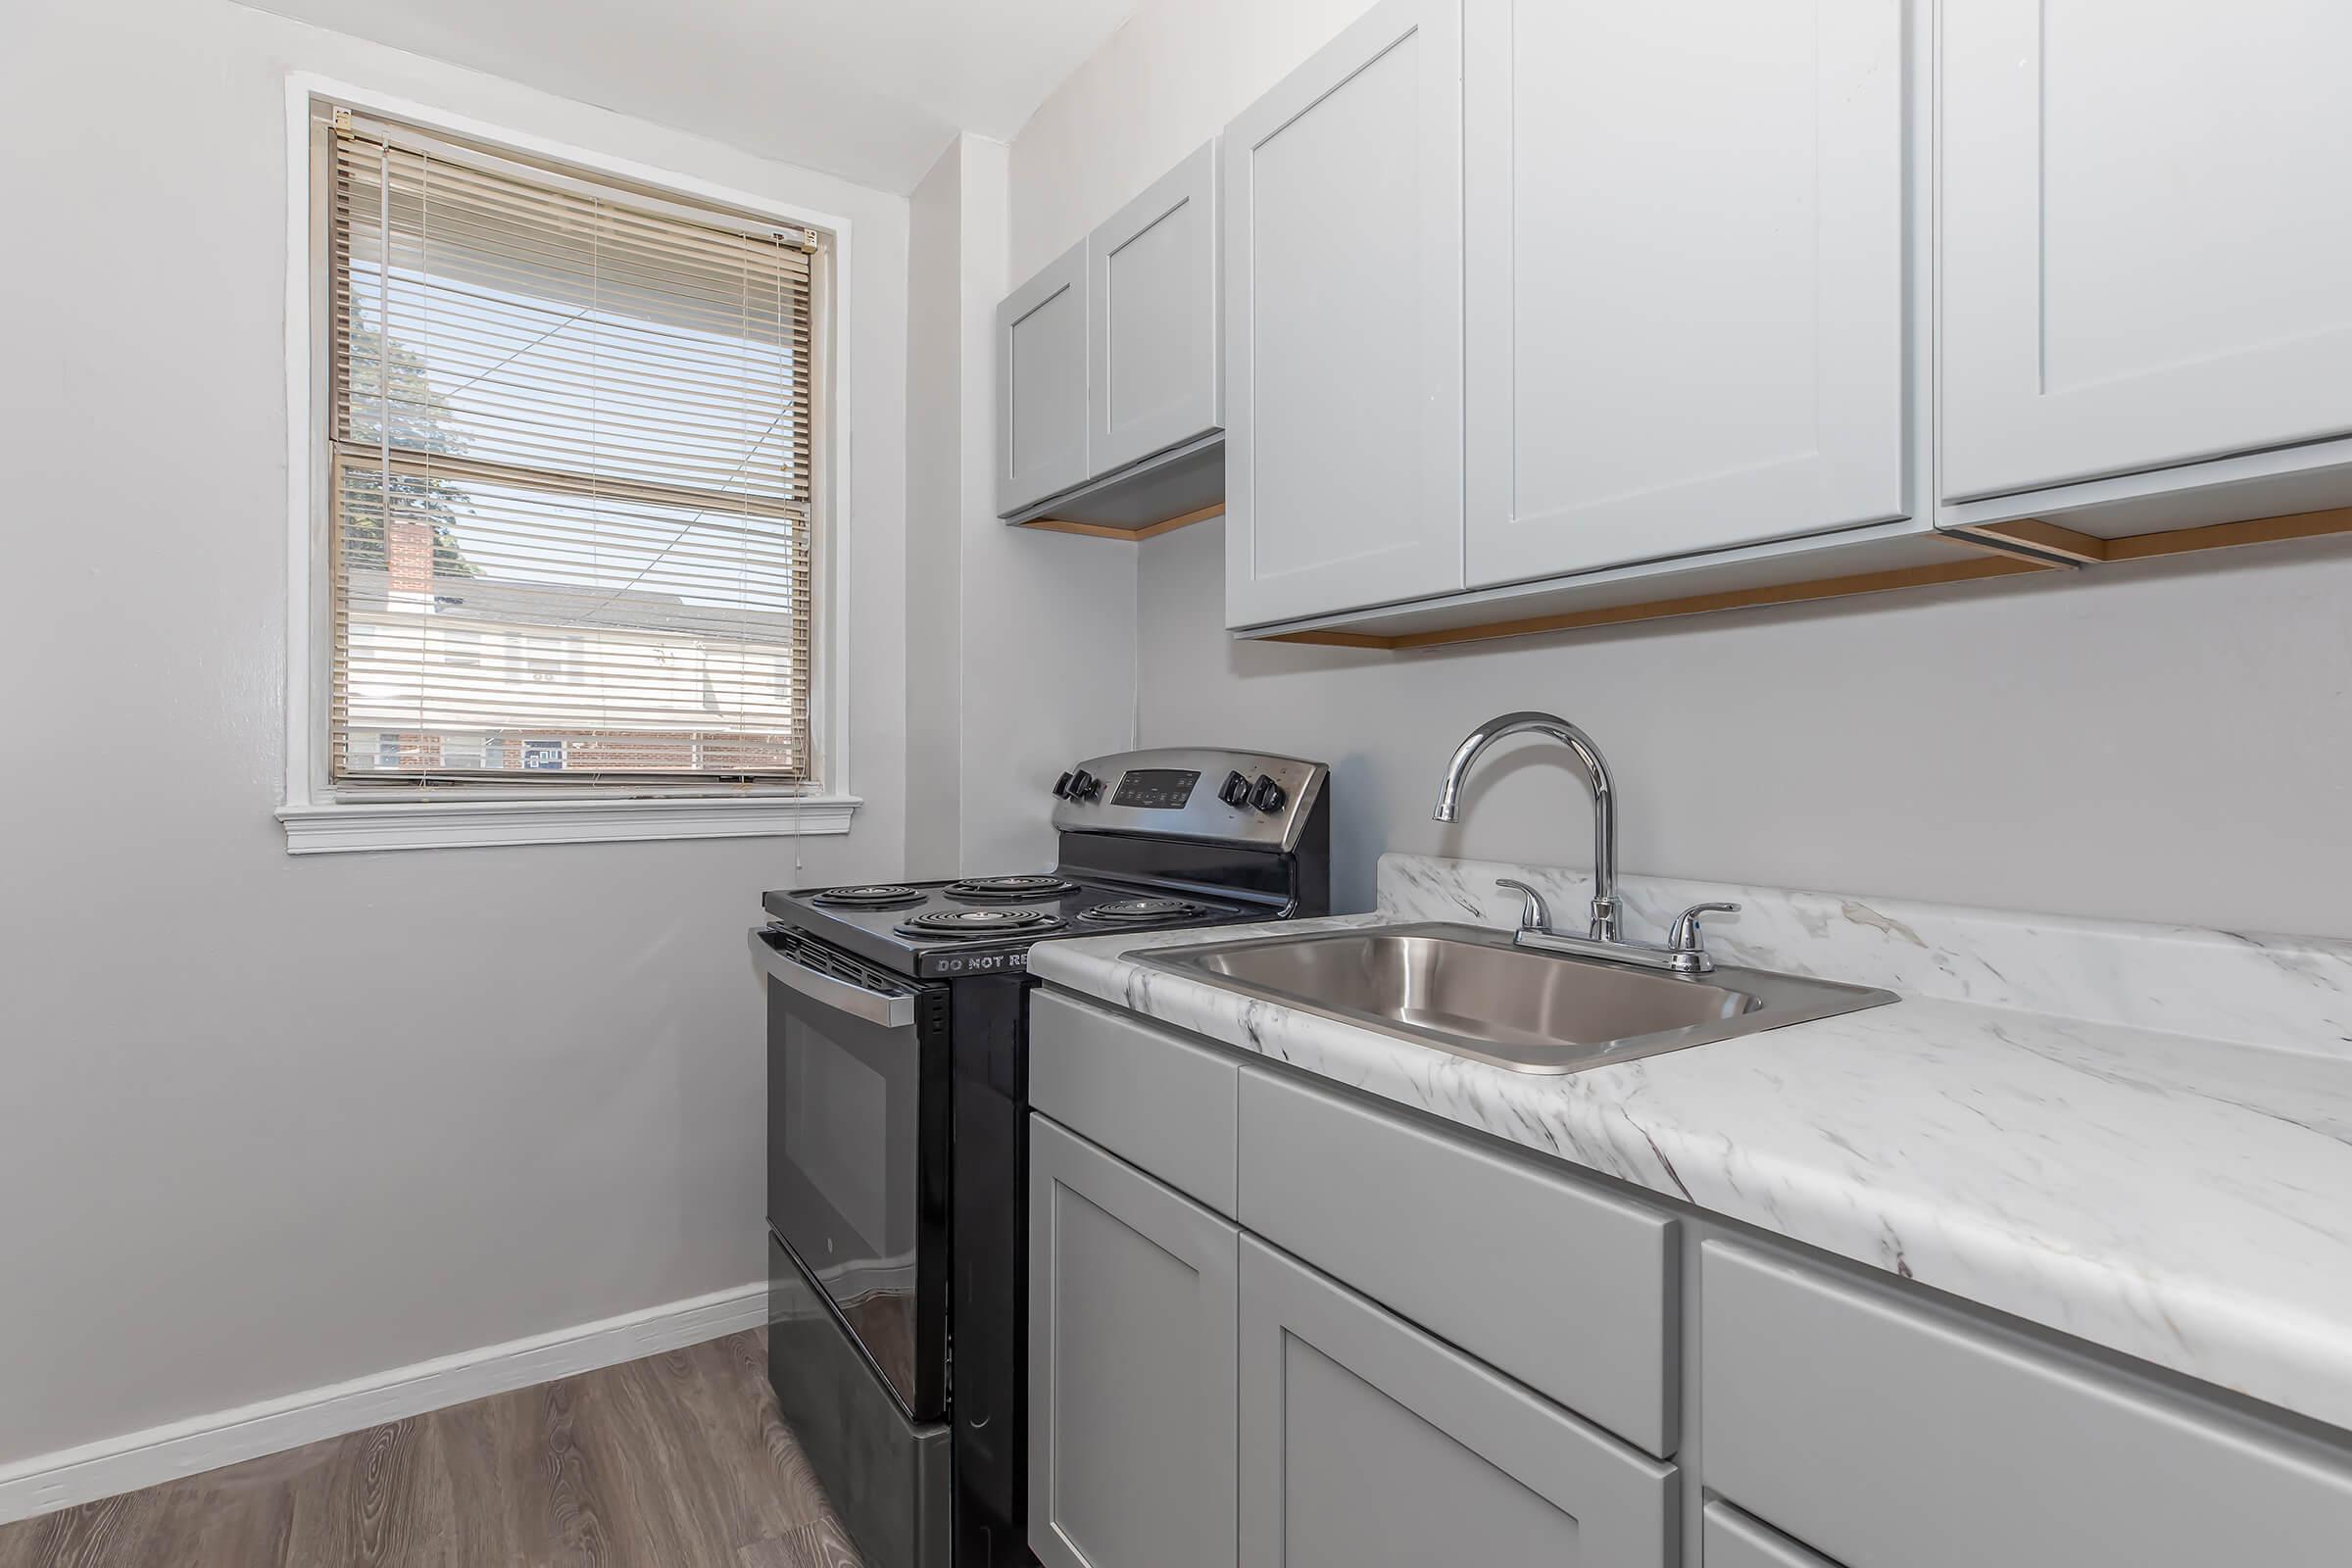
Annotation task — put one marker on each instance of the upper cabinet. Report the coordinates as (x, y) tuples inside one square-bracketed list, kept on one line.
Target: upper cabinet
[(2145, 244), (1523, 291), (1684, 303), (1342, 324), (1151, 275), (1041, 384), (1109, 380), (1550, 312)]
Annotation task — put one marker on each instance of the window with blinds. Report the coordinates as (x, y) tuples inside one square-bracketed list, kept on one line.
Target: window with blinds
[(570, 440)]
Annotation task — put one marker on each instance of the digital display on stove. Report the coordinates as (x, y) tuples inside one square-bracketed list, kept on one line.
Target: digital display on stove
[(1154, 789)]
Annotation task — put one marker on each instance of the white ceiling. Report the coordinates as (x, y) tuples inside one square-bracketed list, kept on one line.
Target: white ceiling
[(868, 90)]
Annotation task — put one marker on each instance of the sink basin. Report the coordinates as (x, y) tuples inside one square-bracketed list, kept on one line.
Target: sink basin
[(1470, 991)]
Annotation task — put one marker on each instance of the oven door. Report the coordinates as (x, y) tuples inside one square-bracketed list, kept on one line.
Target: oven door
[(858, 1148)]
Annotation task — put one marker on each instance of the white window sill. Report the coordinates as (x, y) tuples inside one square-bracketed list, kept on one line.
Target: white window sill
[(346, 825)]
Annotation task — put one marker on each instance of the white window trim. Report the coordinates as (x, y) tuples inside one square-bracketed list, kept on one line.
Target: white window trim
[(319, 818)]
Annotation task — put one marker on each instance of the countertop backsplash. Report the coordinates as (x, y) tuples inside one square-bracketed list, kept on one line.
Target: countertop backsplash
[(2281, 992)]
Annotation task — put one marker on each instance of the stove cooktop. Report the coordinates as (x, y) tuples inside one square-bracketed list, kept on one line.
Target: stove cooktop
[(984, 925)]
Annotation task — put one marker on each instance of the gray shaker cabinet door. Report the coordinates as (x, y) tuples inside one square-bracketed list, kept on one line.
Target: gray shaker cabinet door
[(1685, 293), (1364, 1444), (1041, 384), (1342, 191), (1131, 1366), (2142, 234), (1152, 295)]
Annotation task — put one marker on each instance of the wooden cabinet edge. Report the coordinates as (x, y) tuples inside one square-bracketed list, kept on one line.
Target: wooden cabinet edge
[(2008, 550), (1990, 564), (1102, 530), (2033, 535)]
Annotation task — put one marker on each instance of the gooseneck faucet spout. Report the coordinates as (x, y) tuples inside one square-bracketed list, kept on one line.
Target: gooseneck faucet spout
[(1597, 772)]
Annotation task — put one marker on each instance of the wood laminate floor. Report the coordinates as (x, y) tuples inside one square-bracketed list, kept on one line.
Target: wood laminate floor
[(676, 1462)]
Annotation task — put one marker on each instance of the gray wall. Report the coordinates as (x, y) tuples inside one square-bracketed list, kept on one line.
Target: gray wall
[(1033, 632), (266, 1122), (2160, 741), (935, 420)]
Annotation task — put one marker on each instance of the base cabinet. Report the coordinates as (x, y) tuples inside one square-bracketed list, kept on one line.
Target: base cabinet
[(1366, 1443), (1318, 1391), (1131, 1366)]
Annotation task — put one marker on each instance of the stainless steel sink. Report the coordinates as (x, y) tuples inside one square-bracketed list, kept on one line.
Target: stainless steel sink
[(1469, 991)]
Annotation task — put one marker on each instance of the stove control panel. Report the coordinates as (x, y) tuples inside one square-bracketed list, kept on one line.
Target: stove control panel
[(1155, 789), (1183, 792)]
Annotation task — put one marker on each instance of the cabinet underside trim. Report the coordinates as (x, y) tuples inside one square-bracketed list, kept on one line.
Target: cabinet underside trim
[(2051, 539), (2026, 545), (1789, 593), (1101, 530)]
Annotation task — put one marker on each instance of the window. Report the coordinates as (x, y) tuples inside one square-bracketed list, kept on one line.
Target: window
[(570, 437), (462, 644), (542, 658)]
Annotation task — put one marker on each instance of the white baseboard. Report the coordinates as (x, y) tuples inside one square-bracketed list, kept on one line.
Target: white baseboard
[(48, 1482)]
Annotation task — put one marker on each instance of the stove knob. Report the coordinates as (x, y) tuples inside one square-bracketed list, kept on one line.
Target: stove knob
[(1268, 796), (1062, 786), (1235, 791), (1084, 786)]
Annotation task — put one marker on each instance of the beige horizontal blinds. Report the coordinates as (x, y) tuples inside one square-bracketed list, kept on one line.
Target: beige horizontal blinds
[(571, 437)]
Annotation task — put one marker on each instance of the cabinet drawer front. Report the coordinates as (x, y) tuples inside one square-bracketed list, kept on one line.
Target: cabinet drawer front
[(1894, 1435), (1154, 1100), (1131, 1366), (1576, 1301), (1730, 1539), (1365, 1441)]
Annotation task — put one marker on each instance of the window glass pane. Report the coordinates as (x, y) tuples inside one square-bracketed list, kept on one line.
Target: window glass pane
[(571, 475)]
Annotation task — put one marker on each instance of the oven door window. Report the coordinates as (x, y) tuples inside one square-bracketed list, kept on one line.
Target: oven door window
[(848, 1171)]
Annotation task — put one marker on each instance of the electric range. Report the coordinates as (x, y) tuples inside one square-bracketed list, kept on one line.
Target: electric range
[(897, 1125)]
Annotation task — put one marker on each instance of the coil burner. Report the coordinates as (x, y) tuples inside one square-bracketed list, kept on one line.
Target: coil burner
[(1140, 912), (1010, 888), (968, 923), (890, 896)]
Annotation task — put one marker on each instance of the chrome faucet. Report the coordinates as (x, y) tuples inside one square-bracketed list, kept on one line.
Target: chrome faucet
[(1604, 801), (1685, 950)]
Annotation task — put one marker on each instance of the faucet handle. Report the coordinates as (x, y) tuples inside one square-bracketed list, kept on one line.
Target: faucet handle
[(1685, 936), (1536, 916)]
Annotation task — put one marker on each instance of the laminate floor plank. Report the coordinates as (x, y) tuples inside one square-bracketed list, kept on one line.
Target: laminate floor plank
[(676, 1462)]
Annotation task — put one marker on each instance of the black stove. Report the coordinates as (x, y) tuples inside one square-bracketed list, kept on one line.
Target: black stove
[(897, 1125)]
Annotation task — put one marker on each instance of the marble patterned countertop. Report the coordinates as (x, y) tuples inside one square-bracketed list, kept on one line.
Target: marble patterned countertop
[(2137, 1135)]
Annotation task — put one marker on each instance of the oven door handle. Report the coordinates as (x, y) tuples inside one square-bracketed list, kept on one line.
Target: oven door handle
[(891, 1011)]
